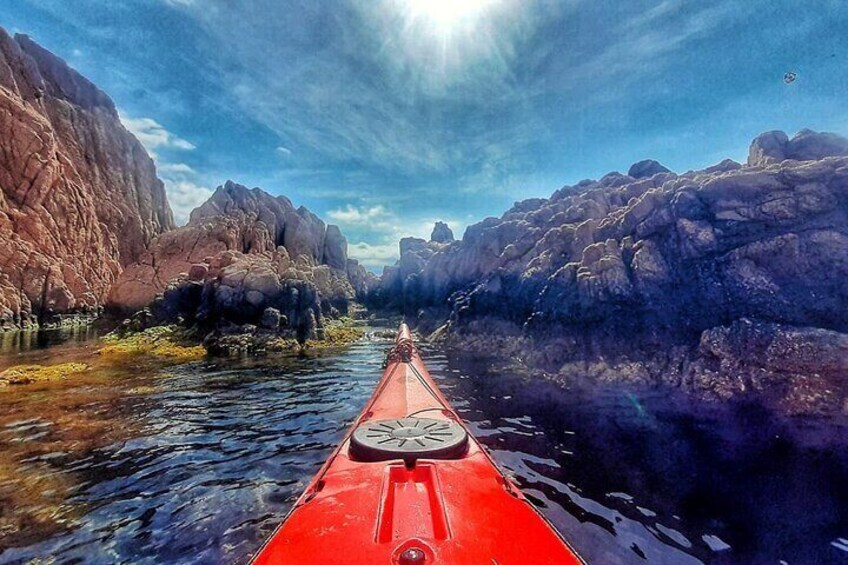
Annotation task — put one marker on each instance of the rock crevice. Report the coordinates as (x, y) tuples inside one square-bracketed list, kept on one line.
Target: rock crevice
[(79, 197)]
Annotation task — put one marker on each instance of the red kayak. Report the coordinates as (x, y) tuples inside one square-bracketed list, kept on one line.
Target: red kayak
[(409, 485)]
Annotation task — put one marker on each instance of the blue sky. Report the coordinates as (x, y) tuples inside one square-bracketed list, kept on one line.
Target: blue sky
[(385, 115)]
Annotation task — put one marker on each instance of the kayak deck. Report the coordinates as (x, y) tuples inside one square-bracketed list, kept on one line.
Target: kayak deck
[(377, 503)]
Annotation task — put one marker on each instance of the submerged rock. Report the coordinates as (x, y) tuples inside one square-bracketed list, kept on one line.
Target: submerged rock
[(28, 374), (157, 346)]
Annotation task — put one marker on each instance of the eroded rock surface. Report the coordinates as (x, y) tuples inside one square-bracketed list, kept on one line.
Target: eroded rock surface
[(654, 260), (79, 197), (242, 254)]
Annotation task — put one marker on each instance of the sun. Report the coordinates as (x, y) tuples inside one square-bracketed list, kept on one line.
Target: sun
[(448, 14)]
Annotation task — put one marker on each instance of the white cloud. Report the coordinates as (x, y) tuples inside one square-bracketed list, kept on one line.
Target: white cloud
[(385, 229), (176, 169), (185, 192), (153, 135), (373, 257), (364, 216), (284, 151), (184, 196), (363, 95)]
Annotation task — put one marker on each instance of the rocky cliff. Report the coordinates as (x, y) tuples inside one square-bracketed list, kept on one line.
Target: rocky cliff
[(650, 260), (79, 197), (246, 258)]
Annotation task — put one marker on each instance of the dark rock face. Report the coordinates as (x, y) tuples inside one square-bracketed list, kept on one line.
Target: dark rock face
[(441, 233), (79, 197), (243, 255), (646, 169), (399, 286), (668, 256), (776, 348)]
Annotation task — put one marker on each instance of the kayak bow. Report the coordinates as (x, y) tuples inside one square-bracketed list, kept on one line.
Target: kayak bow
[(409, 485)]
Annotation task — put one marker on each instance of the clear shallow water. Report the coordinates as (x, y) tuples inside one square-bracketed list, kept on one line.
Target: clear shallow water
[(199, 463)]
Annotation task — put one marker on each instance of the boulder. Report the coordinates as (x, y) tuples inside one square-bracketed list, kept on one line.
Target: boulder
[(807, 145), (646, 169), (271, 319), (768, 148)]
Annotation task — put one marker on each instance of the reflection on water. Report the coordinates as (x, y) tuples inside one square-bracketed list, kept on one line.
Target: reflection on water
[(633, 475), (16, 342), (199, 463)]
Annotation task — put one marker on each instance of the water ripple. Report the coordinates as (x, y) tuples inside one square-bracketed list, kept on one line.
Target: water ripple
[(202, 467)]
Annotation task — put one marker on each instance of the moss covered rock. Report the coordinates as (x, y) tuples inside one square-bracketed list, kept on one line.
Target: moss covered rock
[(161, 344), (27, 374)]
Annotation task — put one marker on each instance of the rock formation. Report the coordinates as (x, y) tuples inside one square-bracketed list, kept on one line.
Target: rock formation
[(658, 258), (246, 257), (441, 233), (646, 169), (79, 197)]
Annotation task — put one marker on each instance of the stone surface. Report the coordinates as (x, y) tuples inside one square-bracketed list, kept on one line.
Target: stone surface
[(79, 197), (651, 262), (675, 252), (238, 221), (243, 256)]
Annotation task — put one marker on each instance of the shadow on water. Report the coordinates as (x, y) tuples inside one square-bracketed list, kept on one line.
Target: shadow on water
[(673, 481), (199, 463)]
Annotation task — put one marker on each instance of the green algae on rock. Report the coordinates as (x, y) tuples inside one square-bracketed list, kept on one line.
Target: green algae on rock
[(28, 374), (337, 333), (160, 344), (253, 340)]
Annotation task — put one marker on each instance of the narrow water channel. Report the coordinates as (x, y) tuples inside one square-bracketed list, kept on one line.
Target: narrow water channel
[(198, 463)]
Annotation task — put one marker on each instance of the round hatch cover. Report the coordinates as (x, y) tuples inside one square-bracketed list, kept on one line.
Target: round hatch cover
[(408, 439)]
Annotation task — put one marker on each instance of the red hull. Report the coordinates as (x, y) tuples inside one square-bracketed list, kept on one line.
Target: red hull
[(459, 510)]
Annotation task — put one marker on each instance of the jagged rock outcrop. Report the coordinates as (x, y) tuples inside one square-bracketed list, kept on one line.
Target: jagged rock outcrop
[(79, 197), (441, 233), (664, 256), (242, 252), (692, 250)]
